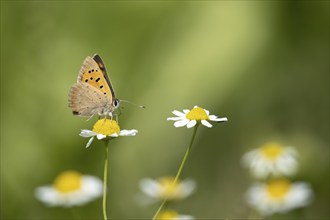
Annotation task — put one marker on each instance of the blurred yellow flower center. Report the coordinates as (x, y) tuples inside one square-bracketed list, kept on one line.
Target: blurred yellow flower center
[(106, 127), (167, 215), (170, 190), (68, 181), (277, 189), (197, 114), (271, 151)]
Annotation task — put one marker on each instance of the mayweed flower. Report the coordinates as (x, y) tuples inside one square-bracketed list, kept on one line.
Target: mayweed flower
[(164, 188), (271, 158), (278, 196), (70, 188), (191, 117), (173, 215), (105, 128)]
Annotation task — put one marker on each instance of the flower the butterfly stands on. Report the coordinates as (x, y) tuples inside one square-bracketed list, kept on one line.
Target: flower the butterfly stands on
[(91, 95)]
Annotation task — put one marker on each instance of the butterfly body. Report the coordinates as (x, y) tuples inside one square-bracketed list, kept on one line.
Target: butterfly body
[(93, 94)]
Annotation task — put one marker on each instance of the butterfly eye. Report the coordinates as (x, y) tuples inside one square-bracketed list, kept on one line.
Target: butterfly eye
[(116, 103)]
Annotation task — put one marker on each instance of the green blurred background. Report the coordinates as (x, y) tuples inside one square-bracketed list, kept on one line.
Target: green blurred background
[(264, 65)]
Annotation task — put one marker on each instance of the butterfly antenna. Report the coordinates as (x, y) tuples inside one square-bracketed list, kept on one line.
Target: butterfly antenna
[(132, 103)]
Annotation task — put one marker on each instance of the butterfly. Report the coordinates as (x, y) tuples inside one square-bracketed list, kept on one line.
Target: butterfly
[(93, 93)]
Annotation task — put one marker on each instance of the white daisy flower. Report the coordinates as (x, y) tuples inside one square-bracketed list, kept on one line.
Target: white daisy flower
[(278, 196), (190, 118), (173, 215), (105, 128), (70, 188), (271, 159), (164, 188)]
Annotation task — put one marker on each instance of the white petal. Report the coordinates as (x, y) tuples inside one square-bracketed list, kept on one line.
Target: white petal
[(87, 133), (185, 217), (175, 118), (128, 132), (177, 113), (287, 165), (150, 187), (186, 111), (257, 198), (207, 112), (191, 124), (212, 117), (206, 123), (114, 135), (89, 142), (188, 187), (181, 123), (300, 195), (248, 158), (215, 118), (101, 136), (48, 195), (91, 186)]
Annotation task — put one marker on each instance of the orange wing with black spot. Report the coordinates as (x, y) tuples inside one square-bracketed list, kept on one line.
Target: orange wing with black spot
[(93, 72)]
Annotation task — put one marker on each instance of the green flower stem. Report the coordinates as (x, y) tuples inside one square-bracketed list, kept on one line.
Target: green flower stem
[(105, 180), (165, 201)]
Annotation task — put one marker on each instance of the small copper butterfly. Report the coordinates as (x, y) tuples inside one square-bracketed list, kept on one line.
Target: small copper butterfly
[(93, 93)]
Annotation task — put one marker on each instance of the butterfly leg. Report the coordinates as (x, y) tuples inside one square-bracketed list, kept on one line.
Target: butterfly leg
[(118, 114), (105, 119), (90, 117)]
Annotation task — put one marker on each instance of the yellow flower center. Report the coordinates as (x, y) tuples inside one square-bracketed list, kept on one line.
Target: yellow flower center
[(167, 215), (277, 189), (271, 150), (197, 114), (68, 181), (106, 127), (170, 190)]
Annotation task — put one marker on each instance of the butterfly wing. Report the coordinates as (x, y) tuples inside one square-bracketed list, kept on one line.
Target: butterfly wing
[(94, 73), (101, 65), (86, 100)]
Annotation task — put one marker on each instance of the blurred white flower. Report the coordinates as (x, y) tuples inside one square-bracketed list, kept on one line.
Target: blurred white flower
[(271, 159), (105, 128), (164, 188), (278, 196), (173, 215), (190, 118), (70, 188)]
